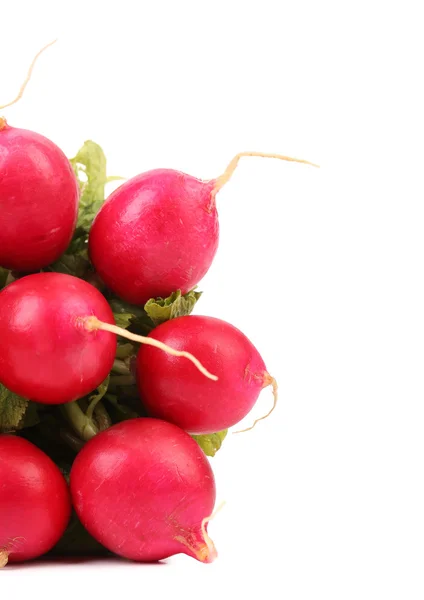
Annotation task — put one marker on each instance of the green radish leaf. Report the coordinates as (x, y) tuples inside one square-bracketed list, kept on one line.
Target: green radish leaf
[(12, 410), (176, 305), (31, 416), (210, 444), (72, 264), (140, 322), (123, 319), (90, 168), (94, 399)]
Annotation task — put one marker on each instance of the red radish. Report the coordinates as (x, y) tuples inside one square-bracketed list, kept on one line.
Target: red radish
[(172, 390), (46, 353), (145, 490), (55, 342), (158, 232), (38, 200), (38, 197), (35, 505)]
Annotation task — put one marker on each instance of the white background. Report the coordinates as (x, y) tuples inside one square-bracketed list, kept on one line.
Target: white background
[(322, 269)]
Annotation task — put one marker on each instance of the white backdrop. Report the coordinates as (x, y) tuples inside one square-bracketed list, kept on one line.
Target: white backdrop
[(322, 269)]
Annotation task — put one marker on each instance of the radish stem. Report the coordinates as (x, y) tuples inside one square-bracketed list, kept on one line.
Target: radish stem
[(79, 421), (93, 324), (103, 419), (76, 444)]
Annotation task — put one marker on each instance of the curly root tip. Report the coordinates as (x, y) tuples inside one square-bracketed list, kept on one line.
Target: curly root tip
[(268, 380)]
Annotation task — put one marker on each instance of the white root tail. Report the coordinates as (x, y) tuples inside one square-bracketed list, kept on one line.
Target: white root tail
[(227, 174), (28, 77), (268, 380), (93, 323)]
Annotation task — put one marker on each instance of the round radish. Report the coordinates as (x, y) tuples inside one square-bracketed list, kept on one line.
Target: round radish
[(174, 391), (158, 232), (38, 200), (155, 235), (56, 344), (145, 490), (47, 353), (35, 504)]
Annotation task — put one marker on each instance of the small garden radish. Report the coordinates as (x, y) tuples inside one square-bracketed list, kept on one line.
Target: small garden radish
[(172, 390), (35, 505), (57, 339), (39, 196), (145, 490), (158, 232)]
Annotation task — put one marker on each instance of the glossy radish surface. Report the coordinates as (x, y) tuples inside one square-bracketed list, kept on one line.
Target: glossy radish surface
[(174, 391), (155, 234), (145, 490), (46, 352), (35, 504), (38, 200), (159, 231)]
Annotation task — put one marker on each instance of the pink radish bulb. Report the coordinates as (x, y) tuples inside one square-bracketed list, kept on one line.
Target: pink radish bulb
[(58, 339), (172, 389), (47, 353), (158, 232), (38, 200), (145, 490), (35, 504), (155, 234)]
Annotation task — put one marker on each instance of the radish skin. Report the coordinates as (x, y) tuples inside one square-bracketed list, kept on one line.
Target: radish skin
[(145, 490), (39, 197), (159, 232), (58, 338), (46, 354), (35, 504), (174, 391)]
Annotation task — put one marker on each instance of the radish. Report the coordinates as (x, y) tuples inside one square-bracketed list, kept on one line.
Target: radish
[(56, 344), (39, 197), (145, 490), (35, 505), (173, 391), (158, 232)]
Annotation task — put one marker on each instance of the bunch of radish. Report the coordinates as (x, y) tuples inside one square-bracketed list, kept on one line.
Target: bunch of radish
[(111, 393)]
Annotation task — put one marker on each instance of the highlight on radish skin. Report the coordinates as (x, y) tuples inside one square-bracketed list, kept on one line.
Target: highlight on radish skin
[(172, 390), (70, 328), (152, 219), (146, 491)]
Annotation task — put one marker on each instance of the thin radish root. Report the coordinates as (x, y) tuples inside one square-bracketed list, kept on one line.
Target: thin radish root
[(227, 174), (2, 123), (93, 323), (210, 550), (6, 550), (25, 83), (205, 553), (268, 380), (4, 558)]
